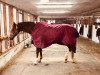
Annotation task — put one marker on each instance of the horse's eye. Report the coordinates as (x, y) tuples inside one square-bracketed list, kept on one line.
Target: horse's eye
[(16, 27)]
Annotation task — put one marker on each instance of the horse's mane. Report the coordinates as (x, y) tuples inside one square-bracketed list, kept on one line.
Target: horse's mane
[(26, 23), (26, 26)]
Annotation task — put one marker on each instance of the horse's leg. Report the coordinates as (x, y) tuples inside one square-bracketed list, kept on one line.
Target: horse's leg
[(66, 56), (37, 54), (73, 51), (73, 57), (40, 50)]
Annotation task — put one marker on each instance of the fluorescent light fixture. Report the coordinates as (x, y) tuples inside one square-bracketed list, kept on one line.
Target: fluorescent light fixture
[(44, 1), (98, 20), (54, 12), (57, 3), (54, 6)]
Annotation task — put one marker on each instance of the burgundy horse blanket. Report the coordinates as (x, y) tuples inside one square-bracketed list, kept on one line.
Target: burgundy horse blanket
[(44, 34)]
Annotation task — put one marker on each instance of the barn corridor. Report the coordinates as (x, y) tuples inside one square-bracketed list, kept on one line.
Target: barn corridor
[(88, 61), (44, 22)]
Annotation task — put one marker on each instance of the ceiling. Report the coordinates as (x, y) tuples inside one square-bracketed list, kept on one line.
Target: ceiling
[(57, 7)]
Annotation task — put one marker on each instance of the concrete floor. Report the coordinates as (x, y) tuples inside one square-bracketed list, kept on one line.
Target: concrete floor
[(88, 61)]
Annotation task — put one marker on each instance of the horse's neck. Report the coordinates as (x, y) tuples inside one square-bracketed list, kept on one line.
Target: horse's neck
[(27, 28)]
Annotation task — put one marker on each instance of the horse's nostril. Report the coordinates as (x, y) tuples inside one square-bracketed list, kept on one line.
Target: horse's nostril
[(11, 38)]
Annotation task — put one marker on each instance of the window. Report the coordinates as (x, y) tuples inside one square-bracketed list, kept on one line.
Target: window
[(98, 20)]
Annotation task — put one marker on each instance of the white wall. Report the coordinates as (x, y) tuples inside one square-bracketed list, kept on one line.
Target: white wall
[(85, 32), (74, 25), (94, 38), (15, 20), (2, 28), (79, 27)]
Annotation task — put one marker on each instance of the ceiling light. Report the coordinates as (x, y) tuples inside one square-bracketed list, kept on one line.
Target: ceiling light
[(54, 6), (54, 12), (49, 3), (44, 1)]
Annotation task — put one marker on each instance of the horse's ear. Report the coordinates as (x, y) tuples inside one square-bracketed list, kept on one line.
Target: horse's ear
[(14, 24)]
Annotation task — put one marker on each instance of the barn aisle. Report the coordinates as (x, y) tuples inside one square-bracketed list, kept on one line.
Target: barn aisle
[(88, 61)]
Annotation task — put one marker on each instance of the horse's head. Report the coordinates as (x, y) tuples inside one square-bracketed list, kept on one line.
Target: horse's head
[(14, 31)]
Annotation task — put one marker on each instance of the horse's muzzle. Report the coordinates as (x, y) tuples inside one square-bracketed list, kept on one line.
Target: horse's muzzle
[(11, 38)]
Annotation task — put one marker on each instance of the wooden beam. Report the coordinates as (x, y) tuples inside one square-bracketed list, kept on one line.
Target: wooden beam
[(5, 20), (11, 21)]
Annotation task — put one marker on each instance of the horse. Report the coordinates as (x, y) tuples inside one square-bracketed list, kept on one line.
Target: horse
[(44, 35)]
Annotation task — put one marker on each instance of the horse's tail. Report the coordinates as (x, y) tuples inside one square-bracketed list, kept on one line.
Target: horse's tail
[(77, 34)]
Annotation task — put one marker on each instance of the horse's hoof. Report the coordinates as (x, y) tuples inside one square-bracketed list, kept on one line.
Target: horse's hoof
[(74, 62), (35, 63), (46, 64), (39, 61), (65, 60)]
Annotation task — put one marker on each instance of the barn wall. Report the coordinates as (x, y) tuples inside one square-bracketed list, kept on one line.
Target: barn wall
[(8, 56), (94, 37), (9, 49), (88, 22)]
